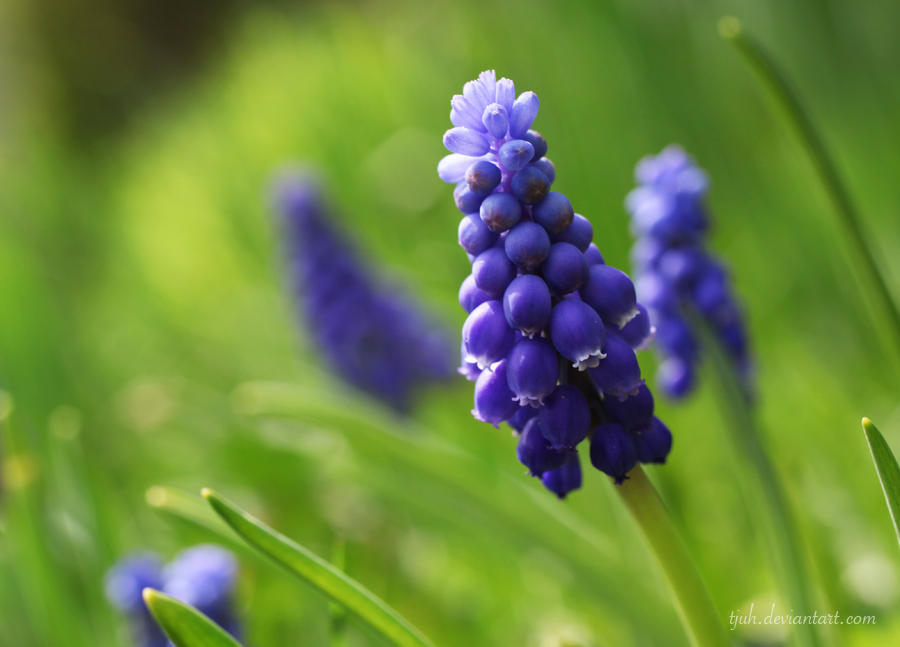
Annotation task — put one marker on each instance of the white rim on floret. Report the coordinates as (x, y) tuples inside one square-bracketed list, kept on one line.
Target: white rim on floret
[(480, 363), (589, 360), (628, 316), (527, 400)]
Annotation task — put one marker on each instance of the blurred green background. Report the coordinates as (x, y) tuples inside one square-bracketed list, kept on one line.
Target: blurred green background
[(146, 336)]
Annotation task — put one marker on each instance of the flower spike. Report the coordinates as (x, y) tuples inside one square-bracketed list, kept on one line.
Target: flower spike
[(552, 330), (677, 277), (371, 335)]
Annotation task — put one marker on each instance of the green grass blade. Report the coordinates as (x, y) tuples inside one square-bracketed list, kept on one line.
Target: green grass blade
[(311, 568), (337, 614), (187, 508), (761, 483), (431, 459), (783, 91), (887, 469), (184, 625)]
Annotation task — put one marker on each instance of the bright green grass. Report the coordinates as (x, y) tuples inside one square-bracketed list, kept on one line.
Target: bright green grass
[(142, 289)]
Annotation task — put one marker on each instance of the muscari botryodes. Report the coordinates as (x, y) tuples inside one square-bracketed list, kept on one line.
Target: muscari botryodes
[(370, 334), (681, 283), (551, 330), (202, 576)]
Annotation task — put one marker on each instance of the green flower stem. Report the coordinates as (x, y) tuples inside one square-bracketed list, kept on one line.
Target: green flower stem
[(699, 616), (763, 64), (762, 485)]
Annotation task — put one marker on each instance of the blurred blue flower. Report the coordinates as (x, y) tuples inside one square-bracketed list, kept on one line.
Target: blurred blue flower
[(370, 334), (551, 330), (203, 576), (124, 584), (677, 278)]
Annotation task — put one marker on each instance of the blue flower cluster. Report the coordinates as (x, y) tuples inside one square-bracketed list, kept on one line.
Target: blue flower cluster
[(202, 576), (371, 335), (551, 329), (676, 277)]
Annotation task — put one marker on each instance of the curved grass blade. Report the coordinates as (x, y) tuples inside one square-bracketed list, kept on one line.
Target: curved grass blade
[(311, 568), (887, 469), (773, 76), (188, 508), (337, 614), (465, 482), (431, 458), (183, 624)]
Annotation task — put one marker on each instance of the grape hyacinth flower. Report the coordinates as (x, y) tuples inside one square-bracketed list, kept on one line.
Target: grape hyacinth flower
[(677, 278), (203, 577), (124, 584), (370, 334), (551, 331)]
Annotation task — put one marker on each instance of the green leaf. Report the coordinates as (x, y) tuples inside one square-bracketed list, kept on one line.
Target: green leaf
[(761, 484), (311, 568), (865, 256), (184, 625), (189, 509), (887, 468)]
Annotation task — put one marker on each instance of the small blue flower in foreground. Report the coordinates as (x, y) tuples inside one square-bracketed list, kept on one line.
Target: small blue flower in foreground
[(551, 330), (202, 576), (677, 278), (371, 335), (124, 584)]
